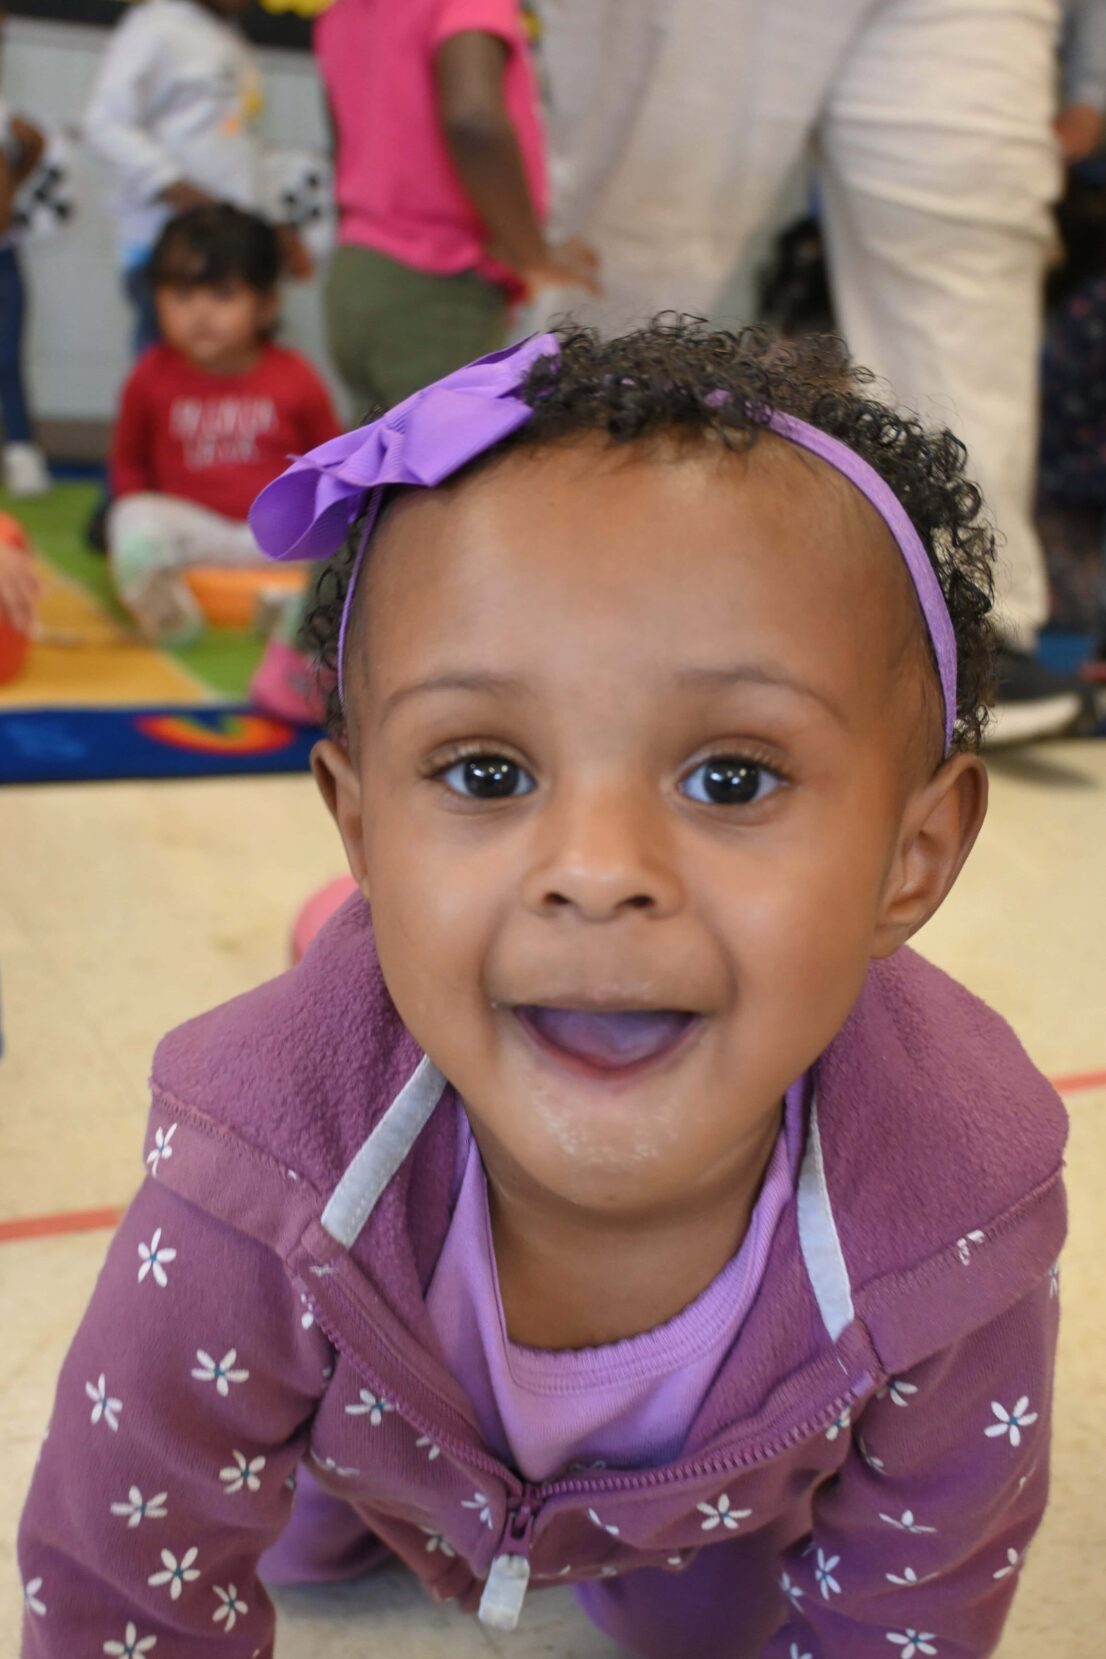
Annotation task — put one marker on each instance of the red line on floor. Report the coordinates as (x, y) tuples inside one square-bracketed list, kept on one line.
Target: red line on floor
[(1079, 1080), (93, 1221), (53, 1226)]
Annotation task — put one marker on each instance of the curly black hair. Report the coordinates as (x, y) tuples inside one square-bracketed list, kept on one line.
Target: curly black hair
[(680, 376)]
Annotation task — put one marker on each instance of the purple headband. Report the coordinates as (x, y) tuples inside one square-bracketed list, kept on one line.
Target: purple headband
[(308, 511)]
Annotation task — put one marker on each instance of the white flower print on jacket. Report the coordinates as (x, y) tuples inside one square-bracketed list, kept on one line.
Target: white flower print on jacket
[(231, 1607), (103, 1404), (176, 1573), (905, 1522), (162, 1148), (220, 1372), (1011, 1423), (912, 1642), (242, 1473), (154, 1257), (31, 1599), (132, 1644), (371, 1406), (721, 1514), (823, 1573), (482, 1502), (138, 1509)]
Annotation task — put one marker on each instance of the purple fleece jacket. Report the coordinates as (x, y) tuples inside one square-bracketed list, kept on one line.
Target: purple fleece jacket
[(862, 1480)]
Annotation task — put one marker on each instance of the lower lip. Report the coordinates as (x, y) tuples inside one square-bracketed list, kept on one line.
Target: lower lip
[(592, 1070)]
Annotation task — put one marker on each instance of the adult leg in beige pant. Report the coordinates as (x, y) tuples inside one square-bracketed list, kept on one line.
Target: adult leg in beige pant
[(933, 122)]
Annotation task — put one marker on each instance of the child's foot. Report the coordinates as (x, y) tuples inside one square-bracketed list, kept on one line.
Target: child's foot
[(165, 610), (24, 470), (156, 594), (286, 684)]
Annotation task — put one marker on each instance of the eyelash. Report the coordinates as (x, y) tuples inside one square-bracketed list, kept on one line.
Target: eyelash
[(743, 758)]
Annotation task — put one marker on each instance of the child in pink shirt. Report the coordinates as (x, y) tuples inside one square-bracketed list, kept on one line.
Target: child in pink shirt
[(440, 172)]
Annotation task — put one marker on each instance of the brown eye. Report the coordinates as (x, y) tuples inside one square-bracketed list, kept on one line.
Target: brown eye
[(731, 780), (487, 778)]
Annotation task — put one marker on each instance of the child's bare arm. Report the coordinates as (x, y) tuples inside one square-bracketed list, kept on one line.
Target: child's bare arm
[(484, 149), (19, 588), (182, 1410), (917, 1545)]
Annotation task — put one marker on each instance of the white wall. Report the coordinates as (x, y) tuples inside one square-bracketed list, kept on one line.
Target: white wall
[(77, 351)]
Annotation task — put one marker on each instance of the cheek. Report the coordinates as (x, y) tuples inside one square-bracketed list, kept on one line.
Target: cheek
[(432, 918), (799, 924)]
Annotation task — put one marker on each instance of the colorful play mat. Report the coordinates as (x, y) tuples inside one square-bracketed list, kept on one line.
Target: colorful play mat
[(94, 701)]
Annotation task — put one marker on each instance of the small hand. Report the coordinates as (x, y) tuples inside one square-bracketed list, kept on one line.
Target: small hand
[(569, 264), (1079, 128), (298, 260), (182, 196), (20, 587)]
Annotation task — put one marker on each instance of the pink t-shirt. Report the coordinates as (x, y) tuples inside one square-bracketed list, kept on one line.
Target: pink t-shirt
[(396, 185), (627, 1404)]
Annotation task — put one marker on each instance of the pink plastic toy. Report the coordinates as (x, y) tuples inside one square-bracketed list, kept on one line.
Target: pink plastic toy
[(319, 908)]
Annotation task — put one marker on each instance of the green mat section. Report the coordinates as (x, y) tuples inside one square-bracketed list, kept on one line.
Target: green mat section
[(55, 524)]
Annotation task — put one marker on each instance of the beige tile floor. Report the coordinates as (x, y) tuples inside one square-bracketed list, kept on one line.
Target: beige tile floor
[(126, 907)]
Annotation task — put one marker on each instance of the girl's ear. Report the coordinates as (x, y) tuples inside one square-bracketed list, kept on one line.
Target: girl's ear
[(939, 828), (340, 787)]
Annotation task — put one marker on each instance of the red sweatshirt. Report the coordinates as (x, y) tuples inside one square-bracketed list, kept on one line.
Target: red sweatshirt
[(216, 439)]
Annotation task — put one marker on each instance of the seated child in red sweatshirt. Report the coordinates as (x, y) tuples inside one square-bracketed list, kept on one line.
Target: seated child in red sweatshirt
[(207, 418)]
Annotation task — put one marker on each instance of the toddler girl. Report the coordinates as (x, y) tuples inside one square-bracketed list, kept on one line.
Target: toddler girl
[(608, 1198), (207, 418)]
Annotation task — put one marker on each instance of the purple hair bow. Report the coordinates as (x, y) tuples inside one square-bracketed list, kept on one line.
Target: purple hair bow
[(307, 512)]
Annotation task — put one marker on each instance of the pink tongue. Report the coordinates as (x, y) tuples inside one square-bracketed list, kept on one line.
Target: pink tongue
[(610, 1040)]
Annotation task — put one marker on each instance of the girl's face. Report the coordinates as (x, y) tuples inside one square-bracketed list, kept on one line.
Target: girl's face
[(636, 794), (218, 326)]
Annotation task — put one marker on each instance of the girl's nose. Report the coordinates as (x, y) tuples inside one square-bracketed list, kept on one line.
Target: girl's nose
[(602, 857)]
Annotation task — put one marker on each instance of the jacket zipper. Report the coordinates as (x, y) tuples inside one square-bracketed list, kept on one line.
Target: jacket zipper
[(509, 1576)]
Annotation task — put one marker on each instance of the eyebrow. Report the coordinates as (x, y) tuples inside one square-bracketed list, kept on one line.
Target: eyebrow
[(751, 673), (496, 685), (504, 685)]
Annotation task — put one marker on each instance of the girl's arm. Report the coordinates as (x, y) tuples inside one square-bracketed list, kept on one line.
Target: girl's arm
[(116, 122), (481, 141), (131, 467), (182, 1410), (31, 147), (916, 1547)]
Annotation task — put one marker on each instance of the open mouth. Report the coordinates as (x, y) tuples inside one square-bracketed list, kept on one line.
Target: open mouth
[(608, 1041)]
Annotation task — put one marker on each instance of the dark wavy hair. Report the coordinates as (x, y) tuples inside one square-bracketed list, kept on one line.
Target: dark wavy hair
[(678, 376), (216, 243)]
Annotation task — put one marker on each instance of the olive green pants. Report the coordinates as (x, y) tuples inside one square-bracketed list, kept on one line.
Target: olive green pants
[(392, 329)]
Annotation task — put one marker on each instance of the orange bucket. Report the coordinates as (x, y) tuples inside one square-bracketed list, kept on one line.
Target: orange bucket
[(229, 597)]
